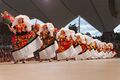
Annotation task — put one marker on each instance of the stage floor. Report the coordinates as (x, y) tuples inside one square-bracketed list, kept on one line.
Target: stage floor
[(107, 69)]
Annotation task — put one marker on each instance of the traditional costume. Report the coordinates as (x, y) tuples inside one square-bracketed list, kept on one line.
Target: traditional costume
[(24, 41), (65, 48), (73, 53), (47, 50), (79, 45), (94, 52), (111, 50), (96, 49)]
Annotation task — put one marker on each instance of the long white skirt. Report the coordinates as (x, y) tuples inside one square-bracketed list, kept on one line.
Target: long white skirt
[(112, 54), (88, 54), (84, 55), (27, 51), (94, 54), (101, 54), (69, 53), (105, 55), (78, 49), (72, 52), (98, 54), (48, 53)]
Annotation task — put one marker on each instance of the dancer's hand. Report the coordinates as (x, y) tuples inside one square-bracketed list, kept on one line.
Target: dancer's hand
[(11, 29), (2, 14)]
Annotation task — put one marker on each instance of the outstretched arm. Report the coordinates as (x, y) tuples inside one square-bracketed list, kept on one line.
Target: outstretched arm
[(11, 28)]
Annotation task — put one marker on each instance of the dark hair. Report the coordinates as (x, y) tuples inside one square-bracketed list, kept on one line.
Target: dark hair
[(22, 20), (5, 10)]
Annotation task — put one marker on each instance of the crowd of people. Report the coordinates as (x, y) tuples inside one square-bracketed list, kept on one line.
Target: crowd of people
[(5, 55), (51, 43)]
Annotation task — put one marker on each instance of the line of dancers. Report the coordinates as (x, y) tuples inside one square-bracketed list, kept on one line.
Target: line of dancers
[(51, 43)]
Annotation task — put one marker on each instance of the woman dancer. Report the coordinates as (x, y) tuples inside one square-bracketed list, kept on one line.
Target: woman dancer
[(47, 50), (25, 40)]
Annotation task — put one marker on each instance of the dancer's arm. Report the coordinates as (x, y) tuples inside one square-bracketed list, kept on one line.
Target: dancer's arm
[(11, 28), (2, 14)]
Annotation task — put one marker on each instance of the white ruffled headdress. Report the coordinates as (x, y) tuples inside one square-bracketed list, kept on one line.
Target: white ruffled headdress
[(50, 28), (26, 21), (83, 37), (66, 30), (79, 34), (40, 29), (111, 45)]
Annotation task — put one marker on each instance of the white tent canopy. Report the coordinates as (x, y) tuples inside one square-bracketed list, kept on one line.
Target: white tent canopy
[(61, 12)]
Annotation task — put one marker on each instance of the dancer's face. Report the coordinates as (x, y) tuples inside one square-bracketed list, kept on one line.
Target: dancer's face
[(20, 20), (78, 37), (45, 27), (62, 32), (71, 37), (5, 13), (110, 47)]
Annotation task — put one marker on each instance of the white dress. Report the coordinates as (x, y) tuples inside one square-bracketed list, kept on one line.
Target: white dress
[(94, 54), (66, 54), (101, 54), (27, 51), (84, 55), (48, 52)]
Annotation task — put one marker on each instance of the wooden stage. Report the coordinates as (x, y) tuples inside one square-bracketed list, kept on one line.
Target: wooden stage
[(107, 69)]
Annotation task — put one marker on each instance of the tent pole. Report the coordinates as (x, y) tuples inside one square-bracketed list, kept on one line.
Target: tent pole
[(79, 24)]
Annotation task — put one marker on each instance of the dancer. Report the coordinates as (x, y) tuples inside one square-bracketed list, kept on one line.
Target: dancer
[(75, 49), (24, 41), (81, 40), (64, 50), (47, 50)]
